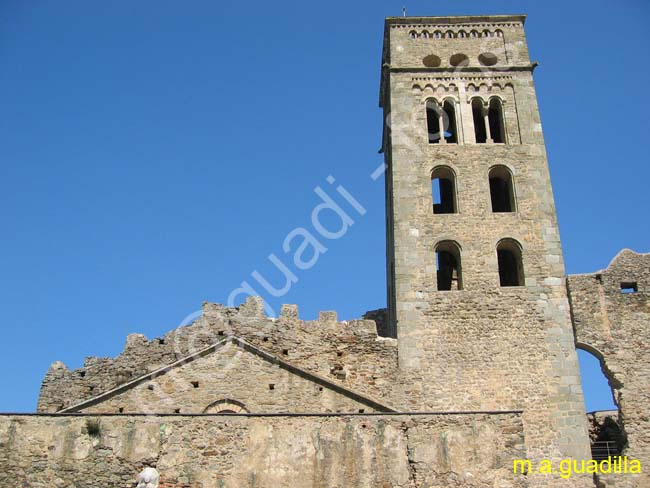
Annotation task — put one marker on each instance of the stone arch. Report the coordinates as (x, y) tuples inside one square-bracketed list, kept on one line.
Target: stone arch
[(450, 119), (478, 117), (449, 274), (433, 115), (226, 405), (510, 262), (496, 119), (443, 190), (606, 427), (502, 189), (614, 383)]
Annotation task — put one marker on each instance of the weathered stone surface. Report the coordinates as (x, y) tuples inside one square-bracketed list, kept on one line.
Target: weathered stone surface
[(263, 452), (484, 346), (479, 346), (614, 326), (229, 374), (321, 347)]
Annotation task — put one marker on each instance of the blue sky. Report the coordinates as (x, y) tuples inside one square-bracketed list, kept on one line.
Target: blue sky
[(154, 153)]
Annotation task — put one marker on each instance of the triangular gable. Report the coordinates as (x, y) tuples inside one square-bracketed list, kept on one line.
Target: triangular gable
[(266, 357)]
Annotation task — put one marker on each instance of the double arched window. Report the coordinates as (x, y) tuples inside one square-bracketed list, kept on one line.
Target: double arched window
[(489, 122), (442, 126), (443, 190), (449, 272)]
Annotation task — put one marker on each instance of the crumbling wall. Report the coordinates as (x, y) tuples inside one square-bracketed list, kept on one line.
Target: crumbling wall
[(611, 318), (232, 377), (349, 353), (262, 452)]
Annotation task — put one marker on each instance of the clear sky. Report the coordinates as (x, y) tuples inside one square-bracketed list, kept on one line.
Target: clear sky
[(154, 153)]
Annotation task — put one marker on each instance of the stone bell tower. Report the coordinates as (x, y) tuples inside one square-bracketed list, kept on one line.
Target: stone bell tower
[(476, 281)]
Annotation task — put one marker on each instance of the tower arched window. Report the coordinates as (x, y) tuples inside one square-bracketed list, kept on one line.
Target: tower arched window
[(434, 117), (511, 268), (495, 117), (450, 125), (443, 190), (478, 114), (502, 189), (448, 266)]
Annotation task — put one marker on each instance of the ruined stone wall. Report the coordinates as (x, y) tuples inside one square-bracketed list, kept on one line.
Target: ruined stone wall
[(262, 452), (615, 326), (349, 353), (228, 375), (483, 346)]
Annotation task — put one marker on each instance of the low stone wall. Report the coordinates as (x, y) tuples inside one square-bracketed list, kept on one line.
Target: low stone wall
[(360, 451)]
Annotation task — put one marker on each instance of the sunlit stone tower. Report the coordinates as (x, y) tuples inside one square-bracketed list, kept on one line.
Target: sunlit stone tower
[(476, 281)]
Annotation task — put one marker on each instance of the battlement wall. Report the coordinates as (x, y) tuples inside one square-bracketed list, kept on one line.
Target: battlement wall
[(348, 353)]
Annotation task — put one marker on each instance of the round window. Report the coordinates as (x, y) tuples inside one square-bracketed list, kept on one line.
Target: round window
[(459, 60), (488, 59), (431, 61)]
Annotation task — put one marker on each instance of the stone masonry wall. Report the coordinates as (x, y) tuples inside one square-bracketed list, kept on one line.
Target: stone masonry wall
[(349, 353), (615, 327), (484, 346), (427, 451), (233, 374)]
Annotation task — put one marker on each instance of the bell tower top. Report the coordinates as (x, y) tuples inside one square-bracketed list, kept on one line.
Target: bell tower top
[(454, 44)]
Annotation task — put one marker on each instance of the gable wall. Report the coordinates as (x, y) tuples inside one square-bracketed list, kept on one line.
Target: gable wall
[(349, 353), (229, 373)]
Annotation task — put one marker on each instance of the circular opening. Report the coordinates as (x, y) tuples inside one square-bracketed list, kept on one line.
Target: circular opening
[(431, 61), (459, 60), (487, 59)]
